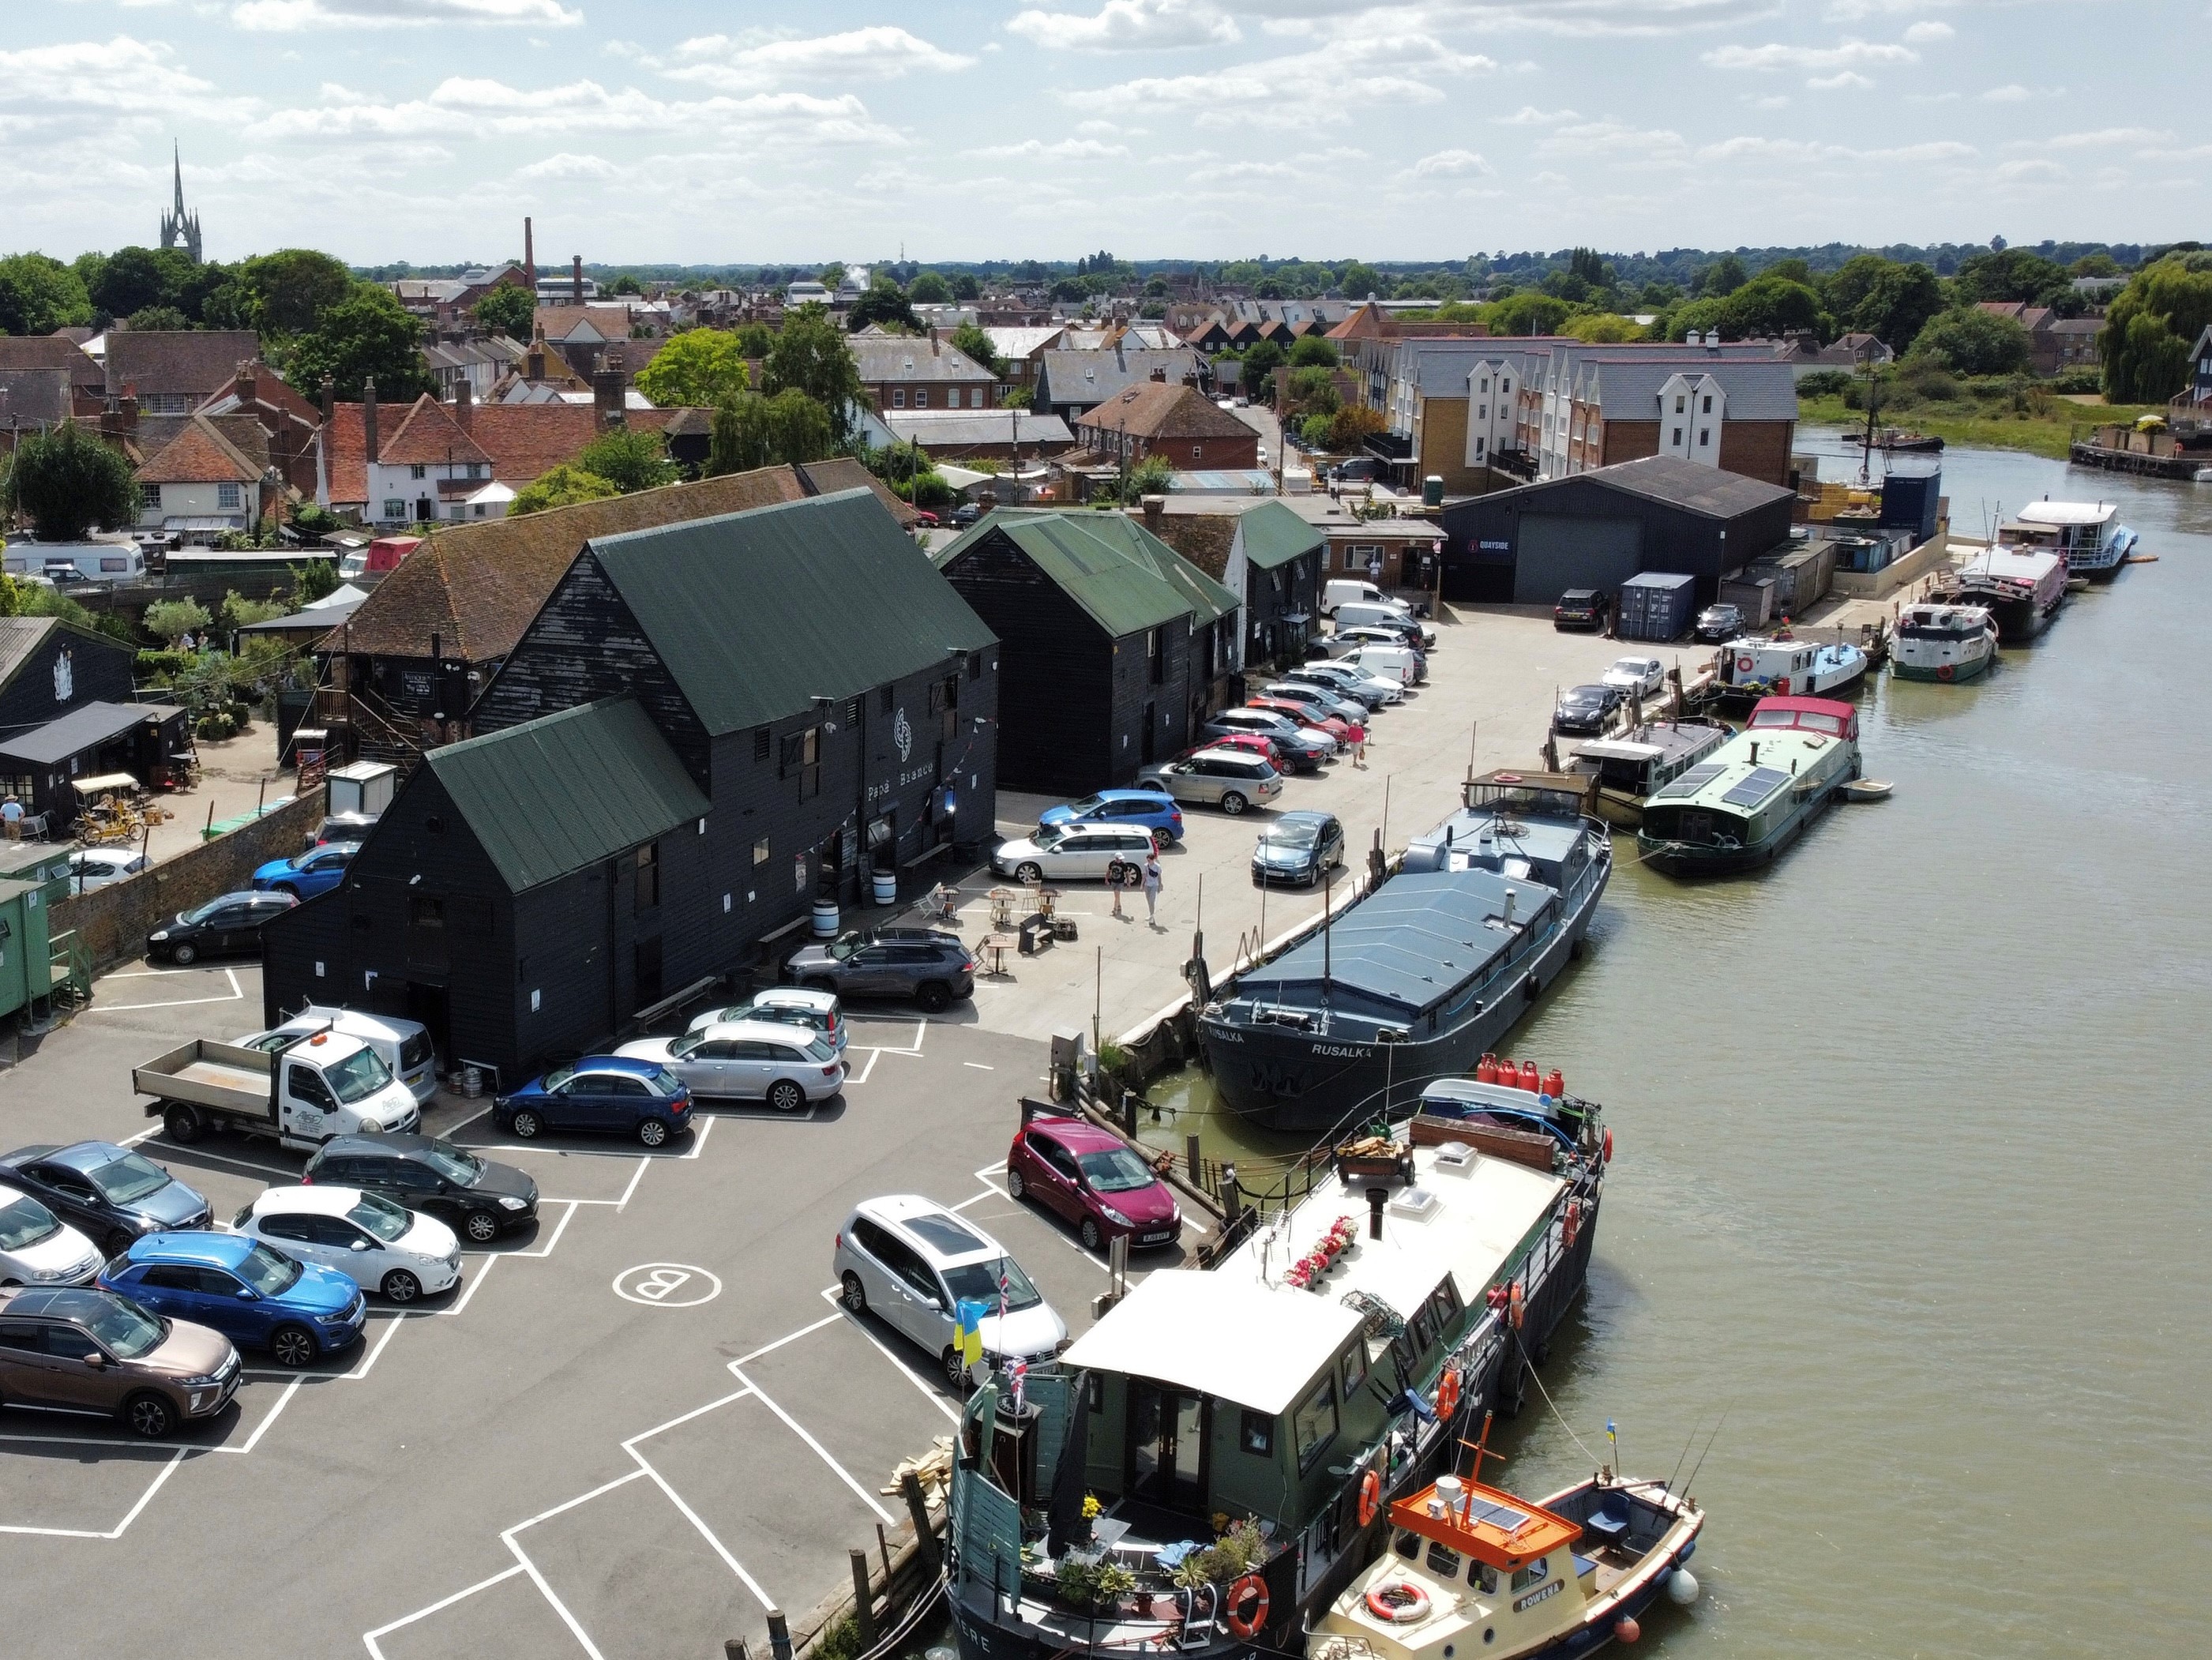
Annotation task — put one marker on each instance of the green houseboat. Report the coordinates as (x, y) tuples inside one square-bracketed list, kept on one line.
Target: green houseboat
[(1740, 808)]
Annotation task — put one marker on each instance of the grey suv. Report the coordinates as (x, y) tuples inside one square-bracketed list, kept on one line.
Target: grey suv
[(930, 969)]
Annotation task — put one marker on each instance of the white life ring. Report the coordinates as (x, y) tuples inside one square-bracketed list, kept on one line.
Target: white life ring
[(1385, 1604), (1743, 666)]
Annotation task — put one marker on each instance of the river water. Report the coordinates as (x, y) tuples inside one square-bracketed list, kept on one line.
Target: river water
[(1911, 1179)]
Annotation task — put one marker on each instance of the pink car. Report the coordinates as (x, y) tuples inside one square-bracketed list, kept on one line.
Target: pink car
[(1094, 1180)]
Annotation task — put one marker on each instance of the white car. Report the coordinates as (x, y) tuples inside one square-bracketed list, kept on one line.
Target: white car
[(378, 1245), (787, 1066), (1065, 852), (95, 867), (37, 1248), (1348, 680), (1639, 677), (913, 1262), (793, 1005)]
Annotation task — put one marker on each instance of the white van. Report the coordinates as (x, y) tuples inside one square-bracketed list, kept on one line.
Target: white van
[(1387, 615), (402, 1045), (1396, 663), (1352, 591)]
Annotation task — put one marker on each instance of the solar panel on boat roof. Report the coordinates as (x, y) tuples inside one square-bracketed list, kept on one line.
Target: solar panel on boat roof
[(1694, 779), (1758, 784), (1503, 1517)]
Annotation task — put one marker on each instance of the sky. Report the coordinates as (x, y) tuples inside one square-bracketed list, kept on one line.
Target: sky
[(684, 131)]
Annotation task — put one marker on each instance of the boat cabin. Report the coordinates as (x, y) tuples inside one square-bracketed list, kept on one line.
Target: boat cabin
[(1644, 759), (1823, 715), (1925, 620), (1756, 664), (2070, 529), (1757, 782)]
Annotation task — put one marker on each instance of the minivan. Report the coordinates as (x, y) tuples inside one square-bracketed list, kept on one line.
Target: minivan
[(913, 1262), (1349, 591), (1396, 663), (402, 1045), (1395, 617)]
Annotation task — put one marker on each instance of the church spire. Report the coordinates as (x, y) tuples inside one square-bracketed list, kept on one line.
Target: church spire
[(180, 228)]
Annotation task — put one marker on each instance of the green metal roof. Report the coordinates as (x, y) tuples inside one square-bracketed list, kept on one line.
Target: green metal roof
[(758, 613), (1122, 575), (1274, 535), (1730, 780), (560, 794)]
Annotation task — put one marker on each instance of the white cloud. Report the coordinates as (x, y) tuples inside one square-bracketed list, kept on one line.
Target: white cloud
[(1303, 89), (1843, 81), (1800, 152), (1617, 140), (2013, 173), (2105, 137), (2014, 93), (1529, 116), (1127, 26), (121, 79), (565, 166), (742, 63), (1772, 100), (287, 15), (1580, 18), (1927, 34), (1450, 164), (1064, 150), (1848, 54)]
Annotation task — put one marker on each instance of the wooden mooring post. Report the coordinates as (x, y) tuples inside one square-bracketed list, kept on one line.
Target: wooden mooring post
[(864, 1603)]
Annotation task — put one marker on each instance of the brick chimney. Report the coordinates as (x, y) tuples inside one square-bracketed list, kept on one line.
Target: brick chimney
[(368, 417), (245, 388), (576, 278), (330, 398), (529, 257), (464, 403), (1160, 375), (932, 339), (606, 398), (1156, 512)]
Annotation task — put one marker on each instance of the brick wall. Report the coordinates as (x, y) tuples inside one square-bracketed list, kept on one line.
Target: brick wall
[(113, 921)]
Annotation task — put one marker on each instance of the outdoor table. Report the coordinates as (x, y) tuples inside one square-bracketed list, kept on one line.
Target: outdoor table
[(994, 947)]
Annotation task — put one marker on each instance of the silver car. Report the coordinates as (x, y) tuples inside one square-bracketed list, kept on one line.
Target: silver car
[(793, 1005), (1322, 700), (786, 1066), (1065, 853), (37, 1248), (1350, 680), (912, 1263), (1229, 779)]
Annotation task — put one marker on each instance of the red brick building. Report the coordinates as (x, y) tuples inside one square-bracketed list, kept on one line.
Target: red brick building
[(1169, 419)]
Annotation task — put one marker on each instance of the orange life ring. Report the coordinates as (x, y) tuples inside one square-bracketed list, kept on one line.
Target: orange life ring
[(1520, 1309), (1571, 1223), (1743, 666), (1448, 1392), (1370, 1497), (1608, 1147), (1944, 671), (1251, 1585), (1384, 1605)]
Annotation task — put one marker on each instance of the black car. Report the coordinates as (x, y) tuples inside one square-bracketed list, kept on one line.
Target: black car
[(934, 969), (479, 1198), (1298, 847), (109, 1192), (966, 514), (229, 926), (1718, 623), (1582, 608), (1360, 469), (1584, 711)]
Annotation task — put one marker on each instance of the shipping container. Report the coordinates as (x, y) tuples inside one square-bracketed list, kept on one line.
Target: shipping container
[(1657, 605)]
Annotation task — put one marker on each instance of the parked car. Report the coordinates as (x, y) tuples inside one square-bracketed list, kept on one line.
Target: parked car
[(89, 1351), (95, 867), (110, 1193), (304, 875), (1256, 743), (404, 1046), (229, 926), (1395, 618), (1345, 641), (1636, 677), (1351, 590), (37, 1248), (1582, 608), (342, 827), (1400, 664), (251, 1292), (380, 1246), (478, 1198), (919, 966), (1231, 780), (913, 1262), (966, 514), (1584, 711), (1155, 811), (1093, 1180), (925, 518), (1319, 699), (1304, 747), (791, 1005), (1339, 730), (1717, 624), (599, 1095), (1361, 468), (1298, 847), (751, 1060), (1073, 853), (1345, 680)]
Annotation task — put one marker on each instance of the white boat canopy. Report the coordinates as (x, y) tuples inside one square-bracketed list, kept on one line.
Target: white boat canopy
[(1222, 1335)]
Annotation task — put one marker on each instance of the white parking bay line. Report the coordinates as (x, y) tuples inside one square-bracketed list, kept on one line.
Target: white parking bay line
[(792, 1337), (236, 994), (438, 1607), (820, 1451), (567, 1217), (145, 1498), (928, 1391), (767, 1602), (545, 1591), (979, 1066)]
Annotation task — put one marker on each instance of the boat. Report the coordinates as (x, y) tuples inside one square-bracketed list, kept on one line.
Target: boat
[(1429, 969), (1740, 809), (1476, 1566), (1630, 767), (2022, 588), (1755, 666), (1897, 440), (1950, 643), (1208, 1467), (2082, 533)]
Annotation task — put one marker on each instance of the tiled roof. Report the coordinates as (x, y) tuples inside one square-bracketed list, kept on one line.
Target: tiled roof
[(33, 397), (1274, 535), (893, 357), (1627, 385), (1204, 539), (520, 441), (841, 472), (268, 389), (429, 435), (1165, 409), (49, 351), (210, 449), (192, 362), (1091, 377), (950, 429)]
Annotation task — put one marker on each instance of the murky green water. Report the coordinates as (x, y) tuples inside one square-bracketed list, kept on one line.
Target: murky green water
[(1912, 1179)]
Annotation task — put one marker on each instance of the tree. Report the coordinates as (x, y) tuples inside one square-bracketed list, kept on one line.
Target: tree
[(1017, 398), (39, 294), (626, 284), (1768, 307), (833, 274), (1150, 476), (2152, 324), (294, 287), (1527, 314), (1262, 359), (1897, 305), (1602, 327), (1723, 276), (1068, 291), (318, 579), (130, 279), (239, 612), (66, 481), (171, 620), (752, 431), (972, 340), (507, 310), (630, 460), (1349, 427), (1974, 341), (367, 336), (153, 319), (965, 286), (2012, 274), (1313, 352), (811, 356), (702, 368), (560, 487), (755, 340), (1357, 280), (1315, 389), (929, 288), (1586, 264), (2095, 265), (1314, 429)]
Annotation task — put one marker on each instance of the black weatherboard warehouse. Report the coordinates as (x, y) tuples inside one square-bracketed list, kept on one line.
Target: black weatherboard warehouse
[(705, 727)]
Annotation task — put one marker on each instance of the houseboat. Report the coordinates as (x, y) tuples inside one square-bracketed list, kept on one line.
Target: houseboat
[(1629, 768), (2022, 588), (1755, 666), (1417, 980), (1205, 1470), (1739, 810), (2082, 533), (1943, 642)]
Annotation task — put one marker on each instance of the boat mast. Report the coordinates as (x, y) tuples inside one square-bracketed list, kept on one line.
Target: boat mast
[(1866, 454)]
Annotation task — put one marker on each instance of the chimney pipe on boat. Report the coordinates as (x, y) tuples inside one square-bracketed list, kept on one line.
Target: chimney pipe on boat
[(1754, 755), (1510, 895), (1377, 1198)]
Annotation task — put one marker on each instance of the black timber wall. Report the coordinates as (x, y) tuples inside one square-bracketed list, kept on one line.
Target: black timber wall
[(99, 672)]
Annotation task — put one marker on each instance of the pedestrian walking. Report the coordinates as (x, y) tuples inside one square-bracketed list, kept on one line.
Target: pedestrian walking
[(11, 815), (1115, 879), (1358, 736), (1152, 889)]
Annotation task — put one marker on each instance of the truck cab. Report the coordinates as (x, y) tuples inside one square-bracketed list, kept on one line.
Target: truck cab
[(321, 1084), (404, 1045)]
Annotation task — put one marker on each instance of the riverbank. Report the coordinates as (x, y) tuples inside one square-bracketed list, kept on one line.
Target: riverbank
[(2046, 435)]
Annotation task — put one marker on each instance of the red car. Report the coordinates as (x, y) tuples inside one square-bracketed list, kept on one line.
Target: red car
[(1092, 1179), (1339, 730), (1257, 742), (925, 518)]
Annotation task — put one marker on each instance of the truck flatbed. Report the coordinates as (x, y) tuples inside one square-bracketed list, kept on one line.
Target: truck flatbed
[(218, 1075)]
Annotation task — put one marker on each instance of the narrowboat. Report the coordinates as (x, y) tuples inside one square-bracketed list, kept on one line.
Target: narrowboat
[(1740, 809), (2022, 588), (1417, 979), (2082, 533), (1629, 768), (1205, 1470), (1950, 643), (1755, 666)]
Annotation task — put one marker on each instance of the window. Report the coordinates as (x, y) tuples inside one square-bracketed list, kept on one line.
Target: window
[(394, 507), (1313, 1426), (760, 852), (1705, 437), (976, 398), (975, 666), (1256, 1434), (306, 1086), (418, 472), (1677, 403), (475, 468), (1443, 1560), (1709, 404), (1535, 1574), (649, 876), (1353, 1371), (1197, 451), (1677, 438), (150, 494), (1156, 660), (428, 913), (802, 757), (115, 564), (898, 397), (922, 397), (1505, 386)]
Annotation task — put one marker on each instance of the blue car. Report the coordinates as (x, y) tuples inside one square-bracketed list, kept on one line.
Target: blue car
[(1156, 813), (252, 1293), (599, 1095), (304, 876)]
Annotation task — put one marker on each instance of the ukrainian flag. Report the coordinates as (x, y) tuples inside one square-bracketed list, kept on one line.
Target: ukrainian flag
[(967, 1329)]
